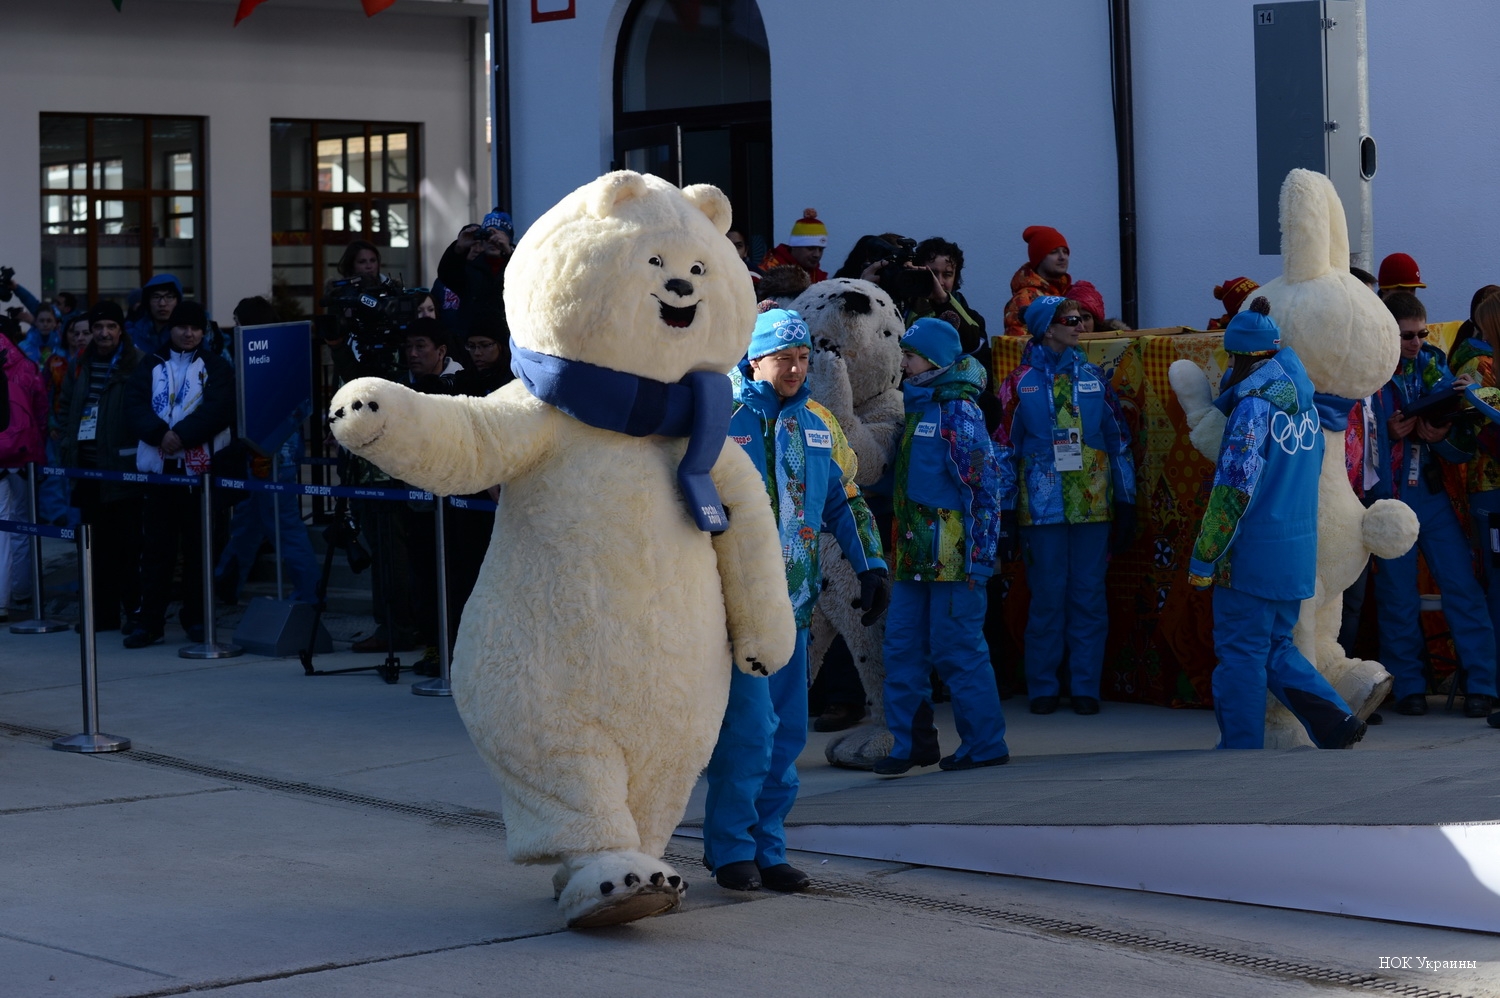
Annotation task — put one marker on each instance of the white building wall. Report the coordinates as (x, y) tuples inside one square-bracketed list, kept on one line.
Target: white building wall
[(973, 120), (285, 61), (957, 118)]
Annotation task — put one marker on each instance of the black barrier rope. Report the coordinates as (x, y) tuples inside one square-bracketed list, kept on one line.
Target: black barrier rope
[(259, 485), (38, 530)]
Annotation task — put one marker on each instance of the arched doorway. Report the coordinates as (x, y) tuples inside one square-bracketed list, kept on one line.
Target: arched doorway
[(693, 102)]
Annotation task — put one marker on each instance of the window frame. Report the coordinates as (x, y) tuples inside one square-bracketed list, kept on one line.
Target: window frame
[(368, 201), (144, 197)]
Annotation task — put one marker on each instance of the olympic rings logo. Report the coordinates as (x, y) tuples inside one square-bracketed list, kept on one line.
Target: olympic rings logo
[(1295, 435)]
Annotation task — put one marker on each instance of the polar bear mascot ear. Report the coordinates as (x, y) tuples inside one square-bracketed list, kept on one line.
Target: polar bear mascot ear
[(711, 201), (1343, 333), (605, 195)]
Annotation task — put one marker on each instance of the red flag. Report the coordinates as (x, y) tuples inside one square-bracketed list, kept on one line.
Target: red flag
[(373, 7), (246, 6)]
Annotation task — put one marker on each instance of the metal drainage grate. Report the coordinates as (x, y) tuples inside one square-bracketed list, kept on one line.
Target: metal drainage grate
[(1079, 930)]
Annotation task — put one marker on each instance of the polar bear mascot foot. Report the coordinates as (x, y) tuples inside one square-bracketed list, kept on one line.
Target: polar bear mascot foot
[(615, 887)]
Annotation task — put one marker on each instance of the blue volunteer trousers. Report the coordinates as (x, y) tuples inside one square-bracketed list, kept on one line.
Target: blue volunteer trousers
[(1482, 506), (1065, 565), (752, 776), (1253, 641), (940, 625), (1448, 555)]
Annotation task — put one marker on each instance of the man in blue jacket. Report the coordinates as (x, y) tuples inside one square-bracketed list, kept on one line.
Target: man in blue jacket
[(809, 471), (1259, 542), (1410, 452)]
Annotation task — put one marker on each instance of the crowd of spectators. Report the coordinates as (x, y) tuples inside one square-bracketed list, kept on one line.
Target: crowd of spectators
[(153, 391)]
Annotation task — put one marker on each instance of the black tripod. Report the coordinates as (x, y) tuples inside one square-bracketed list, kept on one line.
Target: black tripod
[(343, 533)]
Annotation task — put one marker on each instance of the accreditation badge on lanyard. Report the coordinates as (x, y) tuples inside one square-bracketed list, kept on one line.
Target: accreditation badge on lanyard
[(88, 426), (1067, 448), (1067, 441), (1414, 466)]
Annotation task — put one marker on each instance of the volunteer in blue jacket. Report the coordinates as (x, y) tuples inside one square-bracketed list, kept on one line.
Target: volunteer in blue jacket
[(1064, 452), (1259, 542), (1411, 450), (947, 520), (809, 471)]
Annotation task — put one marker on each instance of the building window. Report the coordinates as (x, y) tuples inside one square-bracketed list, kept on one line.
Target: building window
[(122, 199), (333, 182)]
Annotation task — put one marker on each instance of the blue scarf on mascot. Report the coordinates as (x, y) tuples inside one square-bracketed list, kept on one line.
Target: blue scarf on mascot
[(697, 407)]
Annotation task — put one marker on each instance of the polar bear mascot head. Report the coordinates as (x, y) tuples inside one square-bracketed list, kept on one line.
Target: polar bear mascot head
[(625, 253)]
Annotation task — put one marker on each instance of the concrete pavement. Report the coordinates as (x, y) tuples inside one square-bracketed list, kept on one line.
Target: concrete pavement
[(276, 834)]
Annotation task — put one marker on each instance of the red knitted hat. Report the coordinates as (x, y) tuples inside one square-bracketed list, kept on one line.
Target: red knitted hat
[(1400, 271), (1085, 294), (1233, 293), (1041, 240)]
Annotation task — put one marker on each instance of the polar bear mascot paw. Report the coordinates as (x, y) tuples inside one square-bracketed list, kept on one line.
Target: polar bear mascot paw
[(607, 597), (856, 376), (617, 887), (1346, 338)]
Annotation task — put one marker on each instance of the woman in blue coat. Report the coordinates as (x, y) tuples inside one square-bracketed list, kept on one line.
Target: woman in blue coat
[(1259, 542), (1067, 472)]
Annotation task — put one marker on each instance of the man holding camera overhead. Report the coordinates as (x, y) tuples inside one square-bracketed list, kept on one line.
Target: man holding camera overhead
[(473, 268)]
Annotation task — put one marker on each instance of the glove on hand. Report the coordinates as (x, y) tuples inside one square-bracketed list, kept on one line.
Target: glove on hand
[(874, 597), (1124, 533)]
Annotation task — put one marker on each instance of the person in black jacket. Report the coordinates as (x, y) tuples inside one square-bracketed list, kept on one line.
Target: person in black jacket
[(473, 268), (180, 404)]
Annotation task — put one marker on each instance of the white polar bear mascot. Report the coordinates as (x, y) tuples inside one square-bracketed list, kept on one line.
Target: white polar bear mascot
[(1348, 342), (592, 664), (856, 373)]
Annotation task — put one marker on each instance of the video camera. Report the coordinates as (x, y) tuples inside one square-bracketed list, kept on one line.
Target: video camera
[(897, 279), (371, 316), (7, 274)]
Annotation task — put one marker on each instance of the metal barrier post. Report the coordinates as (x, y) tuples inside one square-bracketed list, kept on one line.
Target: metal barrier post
[(440, 686), (91, 740), (209, 648), (276, 519), (38, 624)]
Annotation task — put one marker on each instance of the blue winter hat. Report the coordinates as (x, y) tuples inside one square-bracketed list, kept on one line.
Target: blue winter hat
[(1038, 315), (778, 329), (163, 280), (934, 340), (1252, 330), (498, 219)]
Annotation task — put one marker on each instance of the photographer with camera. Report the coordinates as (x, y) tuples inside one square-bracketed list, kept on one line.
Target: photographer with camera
[(364, 328), (473, 268), (886, 260)]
